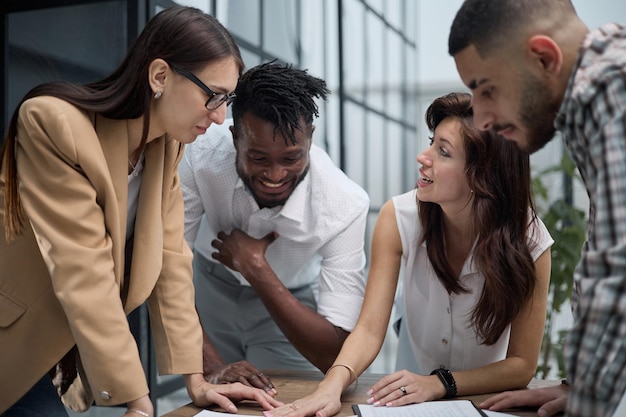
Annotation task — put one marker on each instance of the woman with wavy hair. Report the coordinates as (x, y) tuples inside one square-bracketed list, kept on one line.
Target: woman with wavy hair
[(476, 269)]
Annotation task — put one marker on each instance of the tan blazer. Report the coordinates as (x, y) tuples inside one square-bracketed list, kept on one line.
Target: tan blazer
[(61, 281)]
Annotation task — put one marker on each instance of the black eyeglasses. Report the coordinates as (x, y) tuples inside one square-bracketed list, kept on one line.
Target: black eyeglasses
[(215, 99)]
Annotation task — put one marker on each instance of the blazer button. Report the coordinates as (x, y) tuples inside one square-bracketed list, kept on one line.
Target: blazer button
[(105, 395)]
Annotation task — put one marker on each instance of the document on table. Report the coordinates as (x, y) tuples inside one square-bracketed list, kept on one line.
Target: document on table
[(208, 413), (455, 408), (452, 408)]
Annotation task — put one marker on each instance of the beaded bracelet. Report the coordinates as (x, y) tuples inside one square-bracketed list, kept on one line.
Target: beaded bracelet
[(352, 373)]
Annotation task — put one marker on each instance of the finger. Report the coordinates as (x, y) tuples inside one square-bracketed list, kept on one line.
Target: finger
[(220, 400), (244, 381), (551, 408), (268, 386), (323, 413), (256, 382), (506, 400), (394, 398), (270, 237), (387, 393), (384, 382), (260, 379), (491, 401), (267, 401)]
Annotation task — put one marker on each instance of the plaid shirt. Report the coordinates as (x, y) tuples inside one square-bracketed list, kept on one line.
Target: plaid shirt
[(592, 120)]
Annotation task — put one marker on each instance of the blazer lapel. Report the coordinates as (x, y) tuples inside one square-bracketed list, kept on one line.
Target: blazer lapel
[(113, 135), (148, 240)]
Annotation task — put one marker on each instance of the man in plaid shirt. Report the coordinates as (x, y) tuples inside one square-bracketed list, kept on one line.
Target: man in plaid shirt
[(534, 68)]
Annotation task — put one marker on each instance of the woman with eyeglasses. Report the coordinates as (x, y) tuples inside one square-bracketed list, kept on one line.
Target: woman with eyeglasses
[(92, 225)]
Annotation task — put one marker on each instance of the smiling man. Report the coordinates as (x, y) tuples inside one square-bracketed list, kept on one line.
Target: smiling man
[(277, 231), (534, 68)]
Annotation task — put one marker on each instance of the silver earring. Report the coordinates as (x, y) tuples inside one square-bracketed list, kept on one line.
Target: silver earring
[(158, 95)]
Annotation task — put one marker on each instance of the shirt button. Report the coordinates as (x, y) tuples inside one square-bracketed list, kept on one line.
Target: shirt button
[(105, 395), (444, 341)]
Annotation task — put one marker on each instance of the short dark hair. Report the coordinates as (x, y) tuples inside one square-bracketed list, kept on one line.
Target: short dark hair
[(489, 24), (279, 94)]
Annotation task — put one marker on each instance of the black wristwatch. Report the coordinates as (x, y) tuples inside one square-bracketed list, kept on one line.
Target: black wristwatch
[(447, 380)]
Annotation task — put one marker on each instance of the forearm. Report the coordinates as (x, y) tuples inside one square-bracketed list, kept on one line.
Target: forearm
[(508, 374), (363, 345), (211, 360), (318, 340)]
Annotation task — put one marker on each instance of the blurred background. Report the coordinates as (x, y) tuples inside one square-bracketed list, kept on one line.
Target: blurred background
[(384, 61)]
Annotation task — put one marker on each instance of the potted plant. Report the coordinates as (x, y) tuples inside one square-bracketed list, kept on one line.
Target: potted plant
[(567, 225)]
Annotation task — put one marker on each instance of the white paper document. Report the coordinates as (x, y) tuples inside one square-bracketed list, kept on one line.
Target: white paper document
[(454, 408), (209, 413)]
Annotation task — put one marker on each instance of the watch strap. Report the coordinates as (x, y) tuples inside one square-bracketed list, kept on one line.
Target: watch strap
[(446, 378)]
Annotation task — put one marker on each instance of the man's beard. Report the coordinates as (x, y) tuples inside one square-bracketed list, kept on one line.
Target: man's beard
[(266, 203), (537, 112)]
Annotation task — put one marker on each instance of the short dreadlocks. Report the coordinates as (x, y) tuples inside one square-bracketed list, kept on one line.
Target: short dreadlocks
[(280, 95)]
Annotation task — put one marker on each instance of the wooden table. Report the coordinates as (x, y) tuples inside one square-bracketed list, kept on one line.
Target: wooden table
[(292, 385)]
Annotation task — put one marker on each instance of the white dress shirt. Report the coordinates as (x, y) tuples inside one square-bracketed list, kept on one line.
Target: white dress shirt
[(321, 227), (438, 324)]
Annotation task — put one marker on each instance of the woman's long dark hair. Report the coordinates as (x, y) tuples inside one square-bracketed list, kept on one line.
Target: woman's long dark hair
[(184, 37), (498, 172)]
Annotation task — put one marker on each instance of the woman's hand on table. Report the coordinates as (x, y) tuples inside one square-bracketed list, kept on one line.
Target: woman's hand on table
[(318, 404), (550, 400), (204, 394), (404, 387)]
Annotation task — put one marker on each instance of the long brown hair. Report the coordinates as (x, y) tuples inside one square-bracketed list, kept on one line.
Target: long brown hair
[(502, 209), (184, 37)]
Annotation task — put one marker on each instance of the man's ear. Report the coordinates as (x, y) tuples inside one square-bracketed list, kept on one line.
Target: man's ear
[(545, 54), (233, 132), (157, 74), (311, 136)]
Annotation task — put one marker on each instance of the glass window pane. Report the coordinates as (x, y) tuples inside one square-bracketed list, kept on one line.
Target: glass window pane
[(242, 18), (354, 49), (377, 5), (410, 19), (394, 13), (314, 31), (396, 160), (79, 43), (410, 84), (204, 5), (375, 159), (395, 85), (250, 59), (327, 131), (375, 62), (280, 31), (355, 143)]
